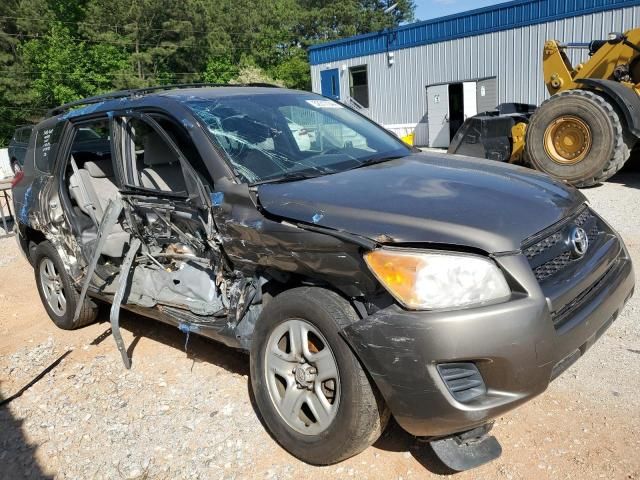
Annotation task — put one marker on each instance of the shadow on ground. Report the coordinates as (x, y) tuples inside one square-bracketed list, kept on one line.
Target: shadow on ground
[(198, 349), (395, 439), (629, 176), (17, 455)]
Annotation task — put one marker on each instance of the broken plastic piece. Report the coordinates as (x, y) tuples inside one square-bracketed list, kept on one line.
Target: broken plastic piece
[(217, 198), (466, 450), (187, 329)]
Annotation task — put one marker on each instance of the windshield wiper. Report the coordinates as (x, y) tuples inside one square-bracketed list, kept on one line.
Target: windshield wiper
[(290, 177), (375, 159)]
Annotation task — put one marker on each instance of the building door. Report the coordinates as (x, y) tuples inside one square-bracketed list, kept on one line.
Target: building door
[(456, 109), (470, 105), (438, 115), (330, 83), (487, 94)]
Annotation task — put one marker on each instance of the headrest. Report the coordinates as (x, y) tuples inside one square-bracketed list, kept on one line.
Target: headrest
[(99, 169), (156, 150)]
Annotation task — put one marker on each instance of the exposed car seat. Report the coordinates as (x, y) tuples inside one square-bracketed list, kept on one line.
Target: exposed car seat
[(100, 187), (162, 170)]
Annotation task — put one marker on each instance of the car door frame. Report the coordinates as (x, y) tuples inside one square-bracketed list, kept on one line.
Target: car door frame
[(196, 190)]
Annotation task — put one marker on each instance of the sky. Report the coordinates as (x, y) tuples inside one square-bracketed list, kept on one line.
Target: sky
[(427, 9)]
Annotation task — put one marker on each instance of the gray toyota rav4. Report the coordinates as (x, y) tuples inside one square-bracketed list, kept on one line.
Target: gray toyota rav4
[(364, 278)]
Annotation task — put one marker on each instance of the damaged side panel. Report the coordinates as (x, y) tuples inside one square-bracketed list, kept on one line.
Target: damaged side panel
[(256, 242), (199, 265), (35, 196)]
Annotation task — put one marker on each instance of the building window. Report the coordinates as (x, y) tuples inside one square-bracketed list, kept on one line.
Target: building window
[(359, 85)]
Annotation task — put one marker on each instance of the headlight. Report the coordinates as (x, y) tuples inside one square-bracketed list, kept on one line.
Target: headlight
[(431, 280)]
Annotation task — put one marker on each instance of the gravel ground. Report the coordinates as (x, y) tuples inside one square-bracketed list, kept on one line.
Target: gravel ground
[(180, 414)]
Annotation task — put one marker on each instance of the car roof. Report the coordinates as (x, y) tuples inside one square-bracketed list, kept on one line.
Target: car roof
[(217, 92), (179, 93)]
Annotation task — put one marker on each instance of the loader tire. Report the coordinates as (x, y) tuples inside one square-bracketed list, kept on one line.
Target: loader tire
[(577, 137)]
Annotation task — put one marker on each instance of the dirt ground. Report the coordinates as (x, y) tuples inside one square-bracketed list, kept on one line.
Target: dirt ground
[(180, 414)]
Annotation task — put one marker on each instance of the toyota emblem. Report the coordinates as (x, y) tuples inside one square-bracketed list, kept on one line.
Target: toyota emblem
[(579, 241)]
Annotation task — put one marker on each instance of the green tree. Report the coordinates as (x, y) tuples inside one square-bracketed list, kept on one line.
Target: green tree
[(15, 95), (220, 69), (65, 70), (54, 51), (323, 20), (294, 70), (254, 74)]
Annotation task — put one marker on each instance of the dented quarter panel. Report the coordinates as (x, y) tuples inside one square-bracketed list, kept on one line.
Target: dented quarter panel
[(37, 205)]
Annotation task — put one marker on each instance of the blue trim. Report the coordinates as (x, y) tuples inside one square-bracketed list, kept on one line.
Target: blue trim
[(504, 16)]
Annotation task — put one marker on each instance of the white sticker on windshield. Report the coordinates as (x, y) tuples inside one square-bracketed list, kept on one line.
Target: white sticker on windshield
[(324, 104)]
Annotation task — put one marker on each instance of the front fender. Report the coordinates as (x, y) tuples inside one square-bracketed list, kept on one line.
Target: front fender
[(624, 98)]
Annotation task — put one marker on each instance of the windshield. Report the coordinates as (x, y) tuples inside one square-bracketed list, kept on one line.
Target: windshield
[(286, 136)]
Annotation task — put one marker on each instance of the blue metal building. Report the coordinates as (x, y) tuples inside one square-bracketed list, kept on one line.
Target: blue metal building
[(426, 77)]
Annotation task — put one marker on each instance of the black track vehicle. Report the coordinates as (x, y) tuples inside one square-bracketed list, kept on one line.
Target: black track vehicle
[(365, 278)]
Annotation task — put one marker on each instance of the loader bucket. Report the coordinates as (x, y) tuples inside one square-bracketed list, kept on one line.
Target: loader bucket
[(488, 135)]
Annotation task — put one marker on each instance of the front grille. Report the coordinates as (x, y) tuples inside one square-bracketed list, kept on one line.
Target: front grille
[(542, 246), (552, 267), (553, 253), (561, 316)]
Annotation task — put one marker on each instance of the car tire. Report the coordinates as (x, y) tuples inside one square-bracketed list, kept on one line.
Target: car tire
[(608, 148), (57, 292), (358, 415)]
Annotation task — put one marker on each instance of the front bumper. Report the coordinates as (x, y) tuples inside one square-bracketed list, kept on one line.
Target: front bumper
[(514, 345)]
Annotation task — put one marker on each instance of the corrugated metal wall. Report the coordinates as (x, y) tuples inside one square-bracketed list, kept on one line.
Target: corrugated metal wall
[(397, 93)]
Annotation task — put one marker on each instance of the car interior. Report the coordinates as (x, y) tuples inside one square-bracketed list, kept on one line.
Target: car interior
[(92, 182)]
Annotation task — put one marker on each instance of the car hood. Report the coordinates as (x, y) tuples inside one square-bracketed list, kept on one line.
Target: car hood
[(428, 198)]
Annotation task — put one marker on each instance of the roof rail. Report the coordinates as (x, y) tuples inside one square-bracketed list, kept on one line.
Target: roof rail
[(89, 101), (143, 91)]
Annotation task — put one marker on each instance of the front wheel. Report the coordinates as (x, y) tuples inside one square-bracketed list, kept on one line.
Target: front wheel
[(311, 390), (577, 136)]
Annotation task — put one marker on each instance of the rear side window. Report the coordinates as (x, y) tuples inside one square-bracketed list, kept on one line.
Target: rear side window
[(23, 135), (47, 142)]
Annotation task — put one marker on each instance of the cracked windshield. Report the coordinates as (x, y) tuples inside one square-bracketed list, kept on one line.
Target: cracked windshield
[(282, 137)]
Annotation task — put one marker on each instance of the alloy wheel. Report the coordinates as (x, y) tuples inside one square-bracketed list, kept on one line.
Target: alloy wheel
[(52, 287), (302, 376)]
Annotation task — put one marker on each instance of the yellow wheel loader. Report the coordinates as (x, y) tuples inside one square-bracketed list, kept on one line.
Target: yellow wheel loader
[(585, 131)]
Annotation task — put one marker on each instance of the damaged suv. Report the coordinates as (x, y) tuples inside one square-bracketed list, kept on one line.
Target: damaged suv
[(365, 279)]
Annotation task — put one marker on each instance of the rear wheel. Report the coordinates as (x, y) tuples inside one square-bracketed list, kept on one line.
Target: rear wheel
[(311, 390), (57, 292), (577, 136)]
